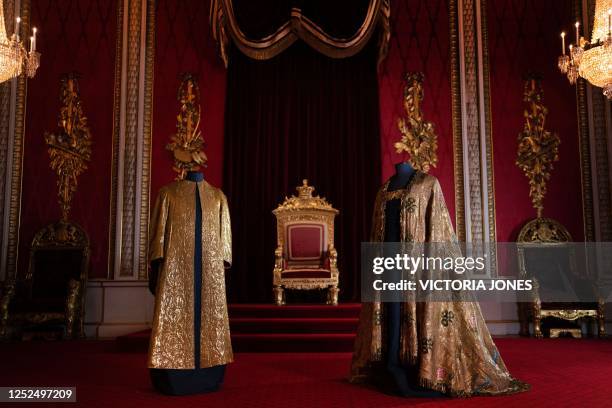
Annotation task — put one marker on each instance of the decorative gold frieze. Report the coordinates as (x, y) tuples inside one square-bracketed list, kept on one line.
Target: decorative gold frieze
[(70, 145), (419, 138), (538, 148), (187, 143)]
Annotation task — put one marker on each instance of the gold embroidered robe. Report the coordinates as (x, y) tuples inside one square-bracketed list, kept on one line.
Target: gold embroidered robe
[(172, 239), (448, 342)]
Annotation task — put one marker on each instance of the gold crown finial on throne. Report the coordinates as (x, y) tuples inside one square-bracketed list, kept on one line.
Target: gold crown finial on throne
[(305, 191), (305, 199)]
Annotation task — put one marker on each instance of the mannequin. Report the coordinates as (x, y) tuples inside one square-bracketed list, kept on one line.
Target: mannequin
[(196, 380), (404, 173)]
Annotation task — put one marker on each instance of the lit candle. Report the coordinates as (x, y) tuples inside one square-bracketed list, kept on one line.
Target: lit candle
[(563, 42), (31, 43), (18, 20), (577, 33), (33, 47)]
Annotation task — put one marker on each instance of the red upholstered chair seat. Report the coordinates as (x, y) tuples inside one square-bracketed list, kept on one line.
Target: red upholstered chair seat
[(306, 246), (306, 274)]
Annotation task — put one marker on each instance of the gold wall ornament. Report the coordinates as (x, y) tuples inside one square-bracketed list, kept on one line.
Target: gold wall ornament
[(419, 138), (538, 148), (70, 146), (186, 144)]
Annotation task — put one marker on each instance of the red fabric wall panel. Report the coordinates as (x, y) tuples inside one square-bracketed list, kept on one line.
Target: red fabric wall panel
[(74, 35), (184, 44), (419, 42), (523, 37)]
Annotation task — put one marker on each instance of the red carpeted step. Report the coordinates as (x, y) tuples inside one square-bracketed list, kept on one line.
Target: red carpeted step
[(343, 310), (292, 342), (271, 328), (293, 325), (261, 342)]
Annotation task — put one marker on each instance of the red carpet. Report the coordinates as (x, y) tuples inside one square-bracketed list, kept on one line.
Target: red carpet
[(291, 328), (563, 373)]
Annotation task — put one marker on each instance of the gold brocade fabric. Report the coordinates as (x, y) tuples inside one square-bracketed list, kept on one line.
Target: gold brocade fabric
[(171, 238), (447, 342)]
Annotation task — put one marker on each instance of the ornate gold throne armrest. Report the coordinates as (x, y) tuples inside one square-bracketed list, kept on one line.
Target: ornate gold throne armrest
[(279, 261), (8, 293), (333, 258), (73, 306)]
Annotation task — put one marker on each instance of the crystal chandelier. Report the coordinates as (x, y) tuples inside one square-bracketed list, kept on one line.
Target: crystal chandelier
[(14, 59), (591, 61)]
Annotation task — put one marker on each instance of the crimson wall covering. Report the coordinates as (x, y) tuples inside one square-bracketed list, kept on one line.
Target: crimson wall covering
[(74, 35), (523, 37), (419, 42), (184, 44), (80, 35)]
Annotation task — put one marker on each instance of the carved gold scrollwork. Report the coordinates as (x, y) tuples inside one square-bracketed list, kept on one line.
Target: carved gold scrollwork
[(186, 144), (544, 230), (70, 145), (419, 138), (538, 148), (305, 200)]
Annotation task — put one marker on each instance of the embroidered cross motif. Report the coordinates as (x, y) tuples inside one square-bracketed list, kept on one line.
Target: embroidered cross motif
[(426, 344), (447, 317), (410, 204)]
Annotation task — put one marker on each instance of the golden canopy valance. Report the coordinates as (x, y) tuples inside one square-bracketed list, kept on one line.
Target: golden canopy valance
[(225, 25)]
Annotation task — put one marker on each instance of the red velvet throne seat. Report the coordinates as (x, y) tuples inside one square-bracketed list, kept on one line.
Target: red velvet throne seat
[(305, 254)]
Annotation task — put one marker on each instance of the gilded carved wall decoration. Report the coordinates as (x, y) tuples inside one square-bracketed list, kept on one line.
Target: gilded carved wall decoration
[(70, 145), (538, 148), (419, 138), (187, 143)]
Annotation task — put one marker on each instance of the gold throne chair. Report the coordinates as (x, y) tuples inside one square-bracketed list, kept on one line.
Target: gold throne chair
[(305, 253), (556, 263), (51, 294)]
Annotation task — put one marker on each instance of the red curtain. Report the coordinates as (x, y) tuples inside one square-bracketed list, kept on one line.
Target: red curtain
[(299, 115)]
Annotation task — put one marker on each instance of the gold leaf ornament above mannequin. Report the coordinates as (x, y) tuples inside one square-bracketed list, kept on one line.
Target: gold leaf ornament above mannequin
[(419, 139), (187, 143)]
